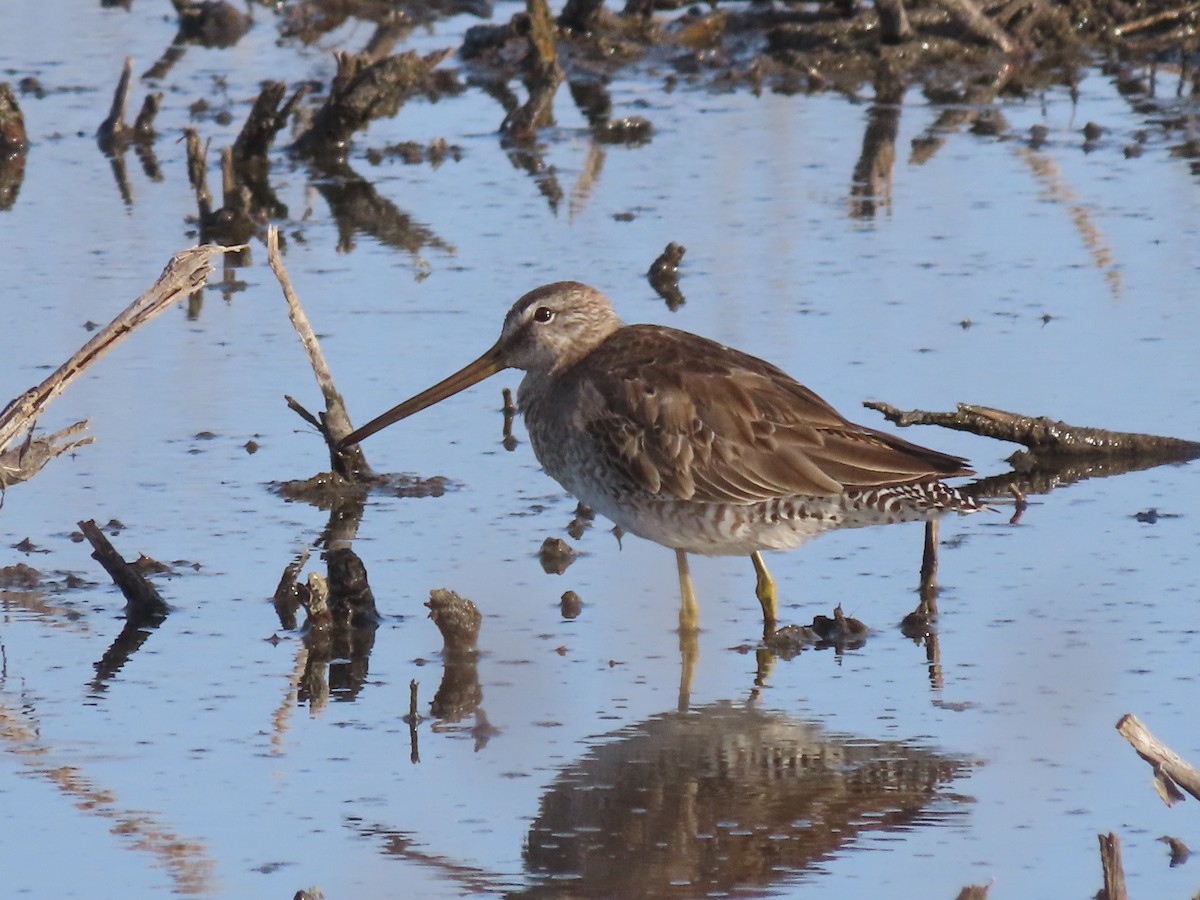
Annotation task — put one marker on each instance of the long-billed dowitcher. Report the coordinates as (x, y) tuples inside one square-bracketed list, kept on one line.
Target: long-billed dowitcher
[(691, 444)]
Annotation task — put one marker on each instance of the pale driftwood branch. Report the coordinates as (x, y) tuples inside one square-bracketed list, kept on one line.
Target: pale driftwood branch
[(23, 462), (334, 423), (1040, 434), (1114, 872), (1171, 771), (184, 274), (143, 601)]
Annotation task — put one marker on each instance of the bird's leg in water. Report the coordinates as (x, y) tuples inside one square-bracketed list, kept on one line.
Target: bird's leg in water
[(764, 589), (689, 610)]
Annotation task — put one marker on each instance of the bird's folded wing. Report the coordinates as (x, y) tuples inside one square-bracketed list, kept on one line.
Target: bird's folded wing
[(681, 416)]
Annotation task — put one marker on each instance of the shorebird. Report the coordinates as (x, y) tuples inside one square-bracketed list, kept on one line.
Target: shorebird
[(689, 443)]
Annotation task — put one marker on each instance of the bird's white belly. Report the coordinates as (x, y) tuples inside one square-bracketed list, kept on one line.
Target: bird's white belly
[(726, 529), (737, 529)]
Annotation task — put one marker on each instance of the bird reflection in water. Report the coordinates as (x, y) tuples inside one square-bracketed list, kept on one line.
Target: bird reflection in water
[(725, 798)]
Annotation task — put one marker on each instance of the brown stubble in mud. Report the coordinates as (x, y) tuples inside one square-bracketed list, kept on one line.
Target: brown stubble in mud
[(364, 90), (115, 135), (458, 620), (338, 633), (838, 632), (556, 555), (664, 275)]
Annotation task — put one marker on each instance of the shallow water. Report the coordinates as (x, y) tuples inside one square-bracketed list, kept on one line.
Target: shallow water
[(197, 767)]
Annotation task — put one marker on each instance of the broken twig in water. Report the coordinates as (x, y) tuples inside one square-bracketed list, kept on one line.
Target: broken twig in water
[(1042, 435), (185, 273), (143, 601), (413, 719), (1171, 771)]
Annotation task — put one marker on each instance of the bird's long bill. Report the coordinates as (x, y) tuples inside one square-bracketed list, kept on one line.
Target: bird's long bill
[(489, 364)]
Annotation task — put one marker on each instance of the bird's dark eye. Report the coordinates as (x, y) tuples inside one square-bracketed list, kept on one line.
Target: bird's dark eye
[(543, 314)]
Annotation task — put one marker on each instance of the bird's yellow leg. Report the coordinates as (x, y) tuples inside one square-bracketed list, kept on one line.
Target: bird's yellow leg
[(764, 589), (689, 609)]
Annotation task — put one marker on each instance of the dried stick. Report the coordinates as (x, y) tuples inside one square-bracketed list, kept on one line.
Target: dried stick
[(413, 719), (184, 274), (1114, 873), (1041, 434), (1171, 771), (23, 462), (143, 601), (334, 423), (1164, 15)]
